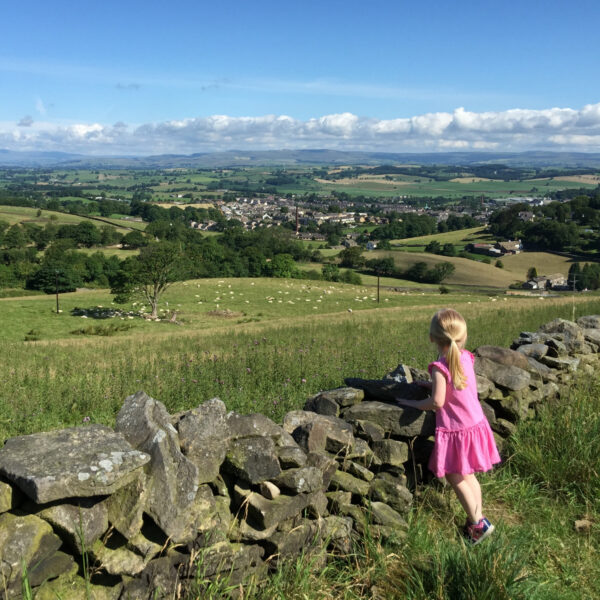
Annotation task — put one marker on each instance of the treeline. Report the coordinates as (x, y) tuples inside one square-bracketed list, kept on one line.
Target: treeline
[(584, 278), (556, 226), (409, 225), (237, 253), (420, 272)]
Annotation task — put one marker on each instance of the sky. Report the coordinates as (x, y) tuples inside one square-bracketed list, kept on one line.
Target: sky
[(153, 77)]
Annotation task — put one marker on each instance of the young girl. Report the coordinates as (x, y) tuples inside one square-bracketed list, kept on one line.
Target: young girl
[(464, 443)]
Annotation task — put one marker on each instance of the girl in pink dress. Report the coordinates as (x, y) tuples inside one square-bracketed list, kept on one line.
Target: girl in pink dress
[(464, 443)]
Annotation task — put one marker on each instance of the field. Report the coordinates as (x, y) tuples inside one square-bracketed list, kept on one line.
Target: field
[(460, 239), (21, 214), (273, 364), (422, 186)]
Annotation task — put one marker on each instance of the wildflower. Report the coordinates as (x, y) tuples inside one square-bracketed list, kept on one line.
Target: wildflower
[(248, 370), (303, 380), (86, 419)]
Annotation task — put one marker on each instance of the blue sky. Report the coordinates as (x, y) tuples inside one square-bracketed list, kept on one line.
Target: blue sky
[(369, 75)]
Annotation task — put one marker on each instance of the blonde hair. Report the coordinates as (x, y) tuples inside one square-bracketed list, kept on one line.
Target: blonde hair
[(448, 330)]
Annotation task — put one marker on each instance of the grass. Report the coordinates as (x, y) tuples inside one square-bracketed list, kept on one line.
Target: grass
[(467, 272), (269, 366)]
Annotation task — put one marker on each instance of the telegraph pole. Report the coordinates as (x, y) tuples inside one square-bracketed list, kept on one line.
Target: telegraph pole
[(56, 287)]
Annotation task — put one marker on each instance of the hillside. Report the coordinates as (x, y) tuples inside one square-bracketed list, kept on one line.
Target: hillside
[(467, 272)]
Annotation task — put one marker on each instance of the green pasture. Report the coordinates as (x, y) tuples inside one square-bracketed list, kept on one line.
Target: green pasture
[(459, 238), (23, 214), (270, 366), (452, 189)]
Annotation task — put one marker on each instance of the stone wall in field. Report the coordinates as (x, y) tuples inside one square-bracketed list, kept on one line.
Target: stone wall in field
[(162, 505)]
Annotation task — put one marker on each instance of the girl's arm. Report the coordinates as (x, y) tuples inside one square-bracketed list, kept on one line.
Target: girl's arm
[(438, 394)]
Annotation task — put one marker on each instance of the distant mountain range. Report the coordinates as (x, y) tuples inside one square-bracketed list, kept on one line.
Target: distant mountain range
[(249, 158)]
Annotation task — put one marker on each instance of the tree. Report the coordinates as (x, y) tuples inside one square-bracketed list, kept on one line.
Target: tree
[(283, 265), (499, 264), (148, 275), (134, 240), (531, 273), (352, 258)]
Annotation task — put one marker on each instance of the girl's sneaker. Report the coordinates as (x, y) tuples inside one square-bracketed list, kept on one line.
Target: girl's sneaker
[(476, 533)]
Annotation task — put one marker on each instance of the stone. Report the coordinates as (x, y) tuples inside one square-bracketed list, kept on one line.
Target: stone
[(9, 497), (332, 436), (80, 523), (391, 492), (156, 582), (396, 477), (72, 587), (502, 356), (336, 531), (503, 427), (545, 372), (391, 452), (535, 351), (338, 499), (323, 405), (317, 507), (556, 348), (592, 335), (295, 542), (49, 568), (383, 514), (262, 513), (363, 454), (369, 431), (269, 490), (567, 364), (358, 470), (326, 465), (401, 374), (291, 457), (76, 462), (252, 459), (345, 396), (509, 377), (172, 478), (29, 541), (119, 561), (126, 507), (224, 557), (314, 432), (561, 326), (513, 407), (484, 387), (388, 390), (203, 437), (301, 480), (488, 411), (397, 420), (589, 322), (349, 483), (253, 425), (145, 547)]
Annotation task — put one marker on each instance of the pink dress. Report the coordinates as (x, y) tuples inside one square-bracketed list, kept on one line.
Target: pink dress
[(464, 442)]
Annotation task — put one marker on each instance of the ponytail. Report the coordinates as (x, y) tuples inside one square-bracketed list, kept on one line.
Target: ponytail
[(449, 330), (453, 359)]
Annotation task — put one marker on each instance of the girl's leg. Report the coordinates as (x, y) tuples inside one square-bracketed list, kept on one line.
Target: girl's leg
[(476, 491), (467, 496)]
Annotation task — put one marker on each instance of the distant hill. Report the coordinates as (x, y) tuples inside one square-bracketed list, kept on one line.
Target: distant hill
[(233, 158)]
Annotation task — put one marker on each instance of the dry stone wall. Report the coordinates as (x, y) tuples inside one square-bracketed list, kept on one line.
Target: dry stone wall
[(160, 502)]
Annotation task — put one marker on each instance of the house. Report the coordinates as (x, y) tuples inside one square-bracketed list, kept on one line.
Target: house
[(509, 247), (371, 245), (526, 216), (349, 243)]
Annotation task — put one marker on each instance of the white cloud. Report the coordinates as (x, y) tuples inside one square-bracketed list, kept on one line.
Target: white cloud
[(515, 129)]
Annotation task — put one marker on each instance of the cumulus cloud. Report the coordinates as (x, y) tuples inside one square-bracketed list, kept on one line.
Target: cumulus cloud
[(26, 121), (510, 130)]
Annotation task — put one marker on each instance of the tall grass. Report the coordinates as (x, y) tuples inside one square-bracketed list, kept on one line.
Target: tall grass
[(268, 368), (560, 450)]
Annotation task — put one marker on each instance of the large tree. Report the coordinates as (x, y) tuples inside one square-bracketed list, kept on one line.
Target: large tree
[(148, 275)]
